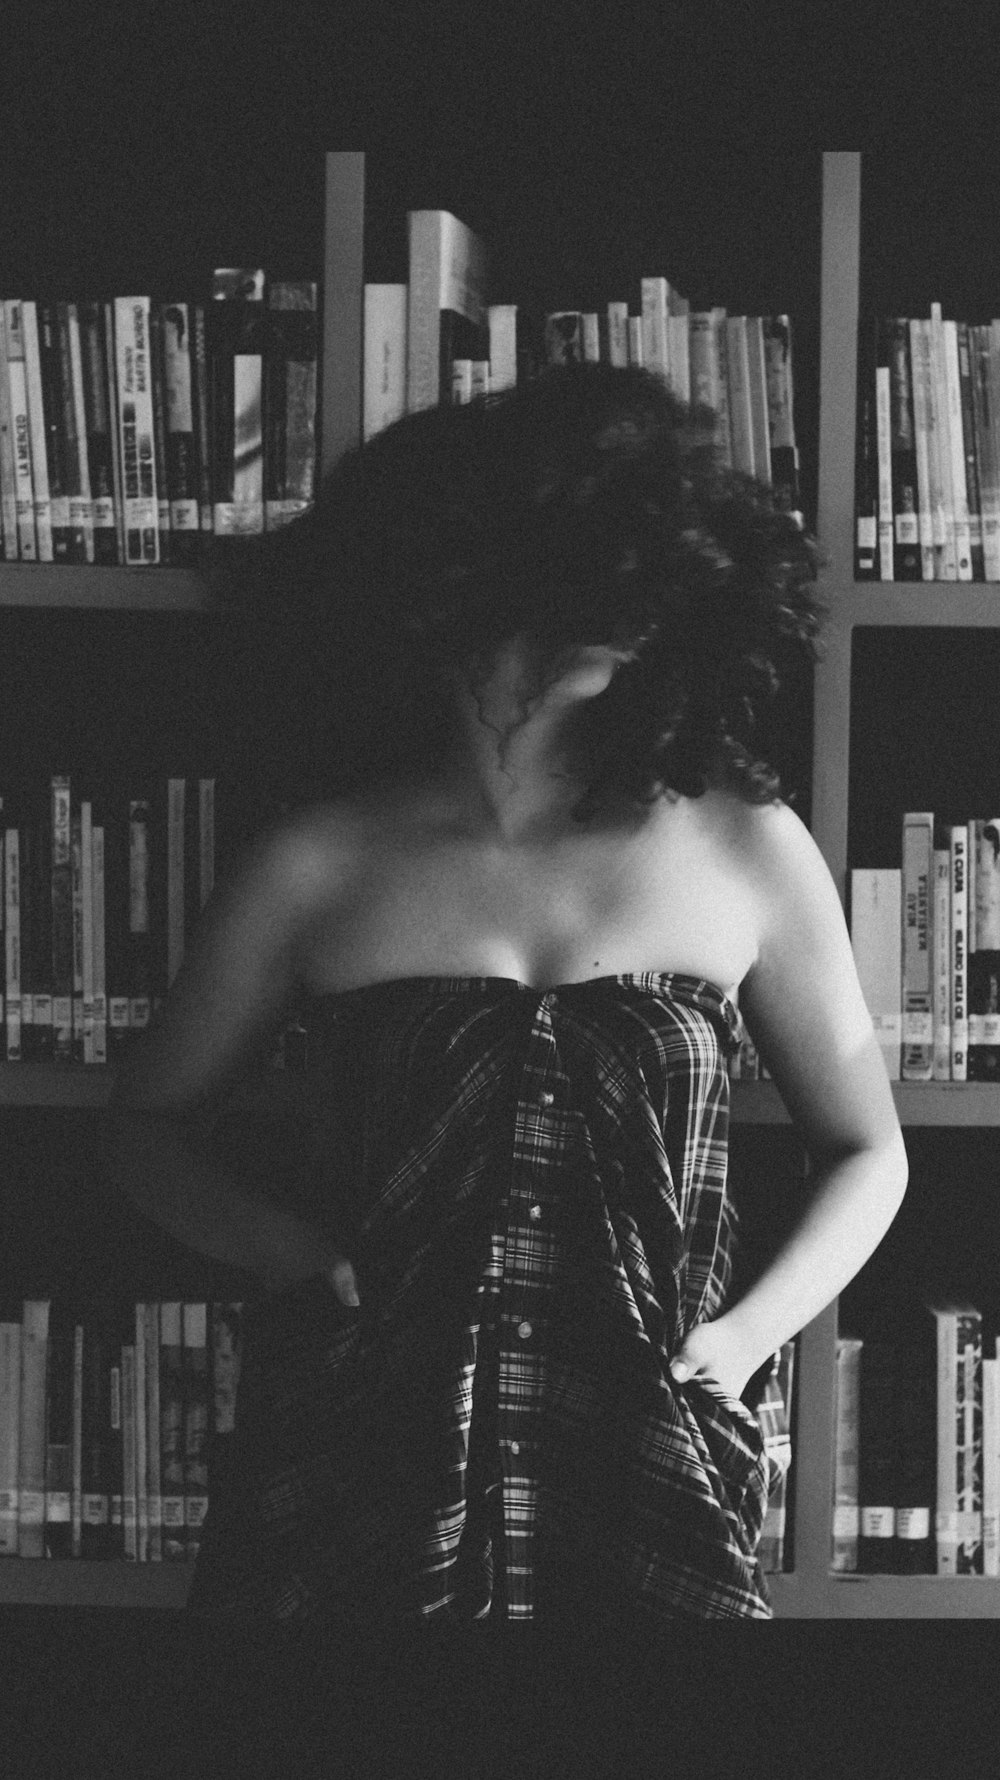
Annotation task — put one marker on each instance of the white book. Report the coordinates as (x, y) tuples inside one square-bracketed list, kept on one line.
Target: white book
[(36, 429), (618, 334), (956, 442), (384, 380), (12, 943), (846, 1501), (883, 436), (27, 540), (725, 432), (876, 938), (680, 346), (447, 267), (959, 952), (949, 563), (591, 338), (635, 347), (502, 325), (918, 1004), (135, 430), (655, 334), (8, 464), (991, 1465), (704, 349), (958, 1516), (10, 1433), (176, 788), (941, 964)]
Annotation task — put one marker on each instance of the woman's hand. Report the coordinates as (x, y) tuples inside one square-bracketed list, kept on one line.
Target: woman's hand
[(716, 1350)]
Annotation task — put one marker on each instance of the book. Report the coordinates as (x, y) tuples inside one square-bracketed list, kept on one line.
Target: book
[(461, 381), (876, 940), (96, 1434), (878, 1456), (76, 1443), (32, 1432), (617, 326), (62, 919), (99, 428), (991, 1464), (135, 431), (958, 1515), (8, 462), (10, 1424), (987, 448), (959, 835), (780, 412), (915, 1414), (172, 1432), (117, 468), (237, 398), (846, 1503), (81, 505), (158, 376), (140, 1433), (99, 965), (972, 491), (563, 337), (59, 1431), (384, 380), (176, 892), (27, 537), (941, 964), (129, 1429), (906, 559), (446, 303), (739, 394), (920, 365), (940, 408), (37, 431), (150, 1311), (883, 448), (758, 397), (502, 326), (202, 397), (959, 484), (984, 959), (181, 436), (12, 943), (139, 924), (918, 1006), (656, 333), (290, 396), (194, 1333)]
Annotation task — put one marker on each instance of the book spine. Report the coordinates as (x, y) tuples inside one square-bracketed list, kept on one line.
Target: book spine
[(959, 962), (984, 961), (181, 442), (57, 444), (99, 953), (130, 1509), (655, 326), (758, 397), (151, 1319), (62, 920), (846, 1502), (502, 325), (447, 277), (956, 440), (385, 353), (876, 938), (973, 495), (139, 927), (946, 1525), (969, 1477), (117, 917), (172, 1432), (725, 425), (116, 1388), (96, 1484), (206, 840), (81, 505), (877, 1457), (12, 943), (237, 371), (59, 1436), (928, 479), (194, 1326), (203, 415), (176, 794), (987, 459), (941, 964), (87, 926), (883, 435), (17, 372), (72, 440), (8, 453), (866, 554), (916, 1426), (918, 1006), (635, 348), (136, 437), (991, 1465), (31, 1472), (157, 382), (741, 424), (942, 436), (10, 1428), (781, 414), (903, 457), (99, 434), (617, 323), (36, 429), (291, 381), (140, 1435)]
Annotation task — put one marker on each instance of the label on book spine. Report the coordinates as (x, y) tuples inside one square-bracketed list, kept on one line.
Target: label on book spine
[(913, 1523), (846, 1520)]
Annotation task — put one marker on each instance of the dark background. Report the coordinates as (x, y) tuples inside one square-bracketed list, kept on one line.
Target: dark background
[(142, 145)]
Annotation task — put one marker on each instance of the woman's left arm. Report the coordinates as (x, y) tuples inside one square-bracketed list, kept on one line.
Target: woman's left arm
[(804, 1008)]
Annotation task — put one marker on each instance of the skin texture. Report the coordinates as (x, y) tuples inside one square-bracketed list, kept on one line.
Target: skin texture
[(482, 871)]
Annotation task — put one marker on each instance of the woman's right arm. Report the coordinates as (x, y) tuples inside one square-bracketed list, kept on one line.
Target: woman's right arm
[(236, 981)]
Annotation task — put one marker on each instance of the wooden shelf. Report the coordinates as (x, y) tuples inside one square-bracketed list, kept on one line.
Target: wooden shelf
[(86, 1583), (923, 604), (82, 586), (81, 1086), (884, 1597)]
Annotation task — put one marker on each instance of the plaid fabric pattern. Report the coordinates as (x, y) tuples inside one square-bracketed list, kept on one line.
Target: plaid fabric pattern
[(536, 1183)]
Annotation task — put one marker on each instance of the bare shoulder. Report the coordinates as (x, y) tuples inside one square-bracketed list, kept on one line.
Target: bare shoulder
[(770, 844)]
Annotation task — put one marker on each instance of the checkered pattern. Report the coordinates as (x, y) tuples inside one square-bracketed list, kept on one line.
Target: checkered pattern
[(537, 1189)]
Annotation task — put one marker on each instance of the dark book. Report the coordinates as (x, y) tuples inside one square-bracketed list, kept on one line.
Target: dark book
[(57, 445), (158, 382), (202, 397), (140, 918), (290, 395), (181, 432), (973, 498), (866, 554), (172, 1432), (903, 456), (99, 433), (878, 1457), (75, 469), (197, 1421), (99, 1449), (237, 344), (916, 1466), (62, 920), (59, 1432), (781, 413)]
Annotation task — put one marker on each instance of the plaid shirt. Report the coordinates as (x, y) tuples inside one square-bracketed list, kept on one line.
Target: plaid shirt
[(533, 1188)]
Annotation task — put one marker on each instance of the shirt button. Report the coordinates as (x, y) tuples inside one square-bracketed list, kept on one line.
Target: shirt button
[(524, 1330), (515, 1447), (546, 1097), (535, 1211)]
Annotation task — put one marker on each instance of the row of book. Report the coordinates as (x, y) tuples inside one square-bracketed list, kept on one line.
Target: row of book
[(112, 1417), (131, 430), (436, 339), (926, 939), (917, 1452), (101, 893), (927, 481)]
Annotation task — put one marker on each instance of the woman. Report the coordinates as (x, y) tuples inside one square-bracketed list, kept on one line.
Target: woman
[(496, 1376)]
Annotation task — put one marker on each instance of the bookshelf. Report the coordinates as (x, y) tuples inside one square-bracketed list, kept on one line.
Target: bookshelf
[(809, 1590)]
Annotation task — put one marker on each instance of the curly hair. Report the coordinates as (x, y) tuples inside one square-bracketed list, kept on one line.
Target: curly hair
[(586, 506)]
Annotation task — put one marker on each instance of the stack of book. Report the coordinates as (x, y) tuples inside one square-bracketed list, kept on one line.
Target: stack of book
[(927, 487), (437, 339), (926, 939), (100, 894), (917, 1475), (133, 430), (112, 1419)]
